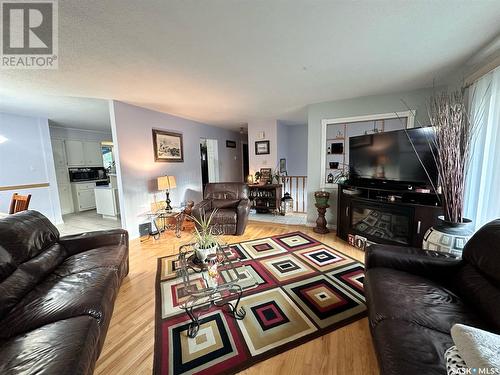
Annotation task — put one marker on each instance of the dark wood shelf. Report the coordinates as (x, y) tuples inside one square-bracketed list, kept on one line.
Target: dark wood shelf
[(269, 198)]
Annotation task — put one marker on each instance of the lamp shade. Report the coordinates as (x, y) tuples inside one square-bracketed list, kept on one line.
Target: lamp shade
[(166, 182)]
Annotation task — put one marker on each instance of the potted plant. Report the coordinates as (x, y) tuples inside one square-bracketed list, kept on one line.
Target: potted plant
[(451, 146), (205, 236), (258, 175)]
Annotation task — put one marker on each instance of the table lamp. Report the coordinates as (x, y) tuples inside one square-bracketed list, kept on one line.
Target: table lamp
[(166, 183)]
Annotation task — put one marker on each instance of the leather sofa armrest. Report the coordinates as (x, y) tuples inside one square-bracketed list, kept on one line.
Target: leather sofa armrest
[(200, 208), (421, 262), (77, 243), (242, 211)]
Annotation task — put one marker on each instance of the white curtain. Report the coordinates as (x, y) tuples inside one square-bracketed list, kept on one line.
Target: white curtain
[(482, 194)]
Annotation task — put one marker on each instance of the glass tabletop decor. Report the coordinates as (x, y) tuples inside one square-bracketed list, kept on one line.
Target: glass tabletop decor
[(221, 283)]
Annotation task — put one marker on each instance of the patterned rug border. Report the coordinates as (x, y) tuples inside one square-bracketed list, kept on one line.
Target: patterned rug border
[(157, 350)]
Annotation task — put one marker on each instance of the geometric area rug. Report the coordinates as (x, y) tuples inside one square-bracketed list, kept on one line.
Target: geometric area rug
[(305, 290)]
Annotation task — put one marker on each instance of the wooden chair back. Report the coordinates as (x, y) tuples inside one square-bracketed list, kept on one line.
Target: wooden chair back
[(19, 203)]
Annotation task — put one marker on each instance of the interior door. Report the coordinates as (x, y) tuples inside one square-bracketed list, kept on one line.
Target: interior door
[(204, 165), (246, 164), (65, 199), (59, 154)]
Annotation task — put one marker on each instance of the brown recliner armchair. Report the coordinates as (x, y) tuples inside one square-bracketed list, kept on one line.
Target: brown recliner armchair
[(232, 204)]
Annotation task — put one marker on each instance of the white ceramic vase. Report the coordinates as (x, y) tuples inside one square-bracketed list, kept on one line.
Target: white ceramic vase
[(202, 254), (448, 237)]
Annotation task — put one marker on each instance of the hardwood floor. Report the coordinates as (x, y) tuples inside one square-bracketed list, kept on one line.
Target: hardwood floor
[(129, 343)]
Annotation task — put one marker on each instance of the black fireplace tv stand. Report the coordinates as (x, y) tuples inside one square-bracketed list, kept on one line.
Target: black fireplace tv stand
[(386, 213)]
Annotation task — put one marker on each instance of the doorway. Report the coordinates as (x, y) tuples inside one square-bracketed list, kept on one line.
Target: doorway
[(209, 158), (246, 164)]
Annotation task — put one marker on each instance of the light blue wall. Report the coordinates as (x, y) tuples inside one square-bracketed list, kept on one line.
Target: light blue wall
[(368, 105), (297, 150), (292, 145), (282, 140), (137, 171), (26, 159)]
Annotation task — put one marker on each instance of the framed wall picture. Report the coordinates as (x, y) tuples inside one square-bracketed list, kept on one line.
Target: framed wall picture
[(283, 165), (168, 146), (265, 175), (231, 144), (262, 148)]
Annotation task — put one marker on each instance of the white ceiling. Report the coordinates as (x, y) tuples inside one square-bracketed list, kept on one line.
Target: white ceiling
[(69, 112), (226, 62)]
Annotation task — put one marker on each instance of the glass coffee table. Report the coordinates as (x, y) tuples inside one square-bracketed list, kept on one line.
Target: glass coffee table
[(163, 217), (221, 283)]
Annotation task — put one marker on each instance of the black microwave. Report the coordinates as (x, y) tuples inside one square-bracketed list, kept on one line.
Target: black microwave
[(87, 174)]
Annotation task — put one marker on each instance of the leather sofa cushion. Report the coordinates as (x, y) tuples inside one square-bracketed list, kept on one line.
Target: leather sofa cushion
[(7, 265), (27, 275), (87, 293), (410, 349), (414, 299), (25, 234), (481, 293), (65, 347), (225, 203), (114, 257), (482, 250), (224, 216)]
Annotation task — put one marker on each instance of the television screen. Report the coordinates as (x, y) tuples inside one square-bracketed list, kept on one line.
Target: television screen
[(392, 156)]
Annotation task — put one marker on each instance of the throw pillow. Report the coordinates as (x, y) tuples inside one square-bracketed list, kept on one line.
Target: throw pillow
[(478, 348), (453, 361)]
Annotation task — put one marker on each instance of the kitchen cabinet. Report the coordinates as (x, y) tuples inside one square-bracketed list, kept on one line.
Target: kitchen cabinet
[(83, 153), (93, 154), (106, 199), (83, 196), (75, 153)]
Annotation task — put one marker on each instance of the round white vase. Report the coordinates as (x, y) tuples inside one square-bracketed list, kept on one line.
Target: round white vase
[(448, 237), (202, 254)]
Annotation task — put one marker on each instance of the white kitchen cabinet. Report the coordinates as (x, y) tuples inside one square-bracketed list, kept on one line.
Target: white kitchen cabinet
[(86, 200), (59, 153), (65, 199), (83, 153), (75, 153), (83, 196), (106, 199), (93, 154)]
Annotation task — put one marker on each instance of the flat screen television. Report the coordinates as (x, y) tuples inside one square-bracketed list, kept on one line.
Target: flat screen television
[(390, 156)]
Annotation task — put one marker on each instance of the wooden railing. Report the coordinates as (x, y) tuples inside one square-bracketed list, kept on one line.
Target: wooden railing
[(297, 187)]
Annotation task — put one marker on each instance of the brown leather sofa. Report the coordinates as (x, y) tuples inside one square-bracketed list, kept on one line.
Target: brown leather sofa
[(232, 204), (414, 297), (56, 295)]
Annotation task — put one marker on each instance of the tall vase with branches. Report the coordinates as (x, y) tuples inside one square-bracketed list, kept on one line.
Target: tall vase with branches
[(454, 133), (451, 145)]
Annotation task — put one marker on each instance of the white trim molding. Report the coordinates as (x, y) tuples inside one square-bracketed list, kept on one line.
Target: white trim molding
[(410, 123)]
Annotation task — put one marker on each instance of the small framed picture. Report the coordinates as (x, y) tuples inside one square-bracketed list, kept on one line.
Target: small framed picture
[(168, 146), (262, 148), (282, 165), (266, 174), (231, 144)]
